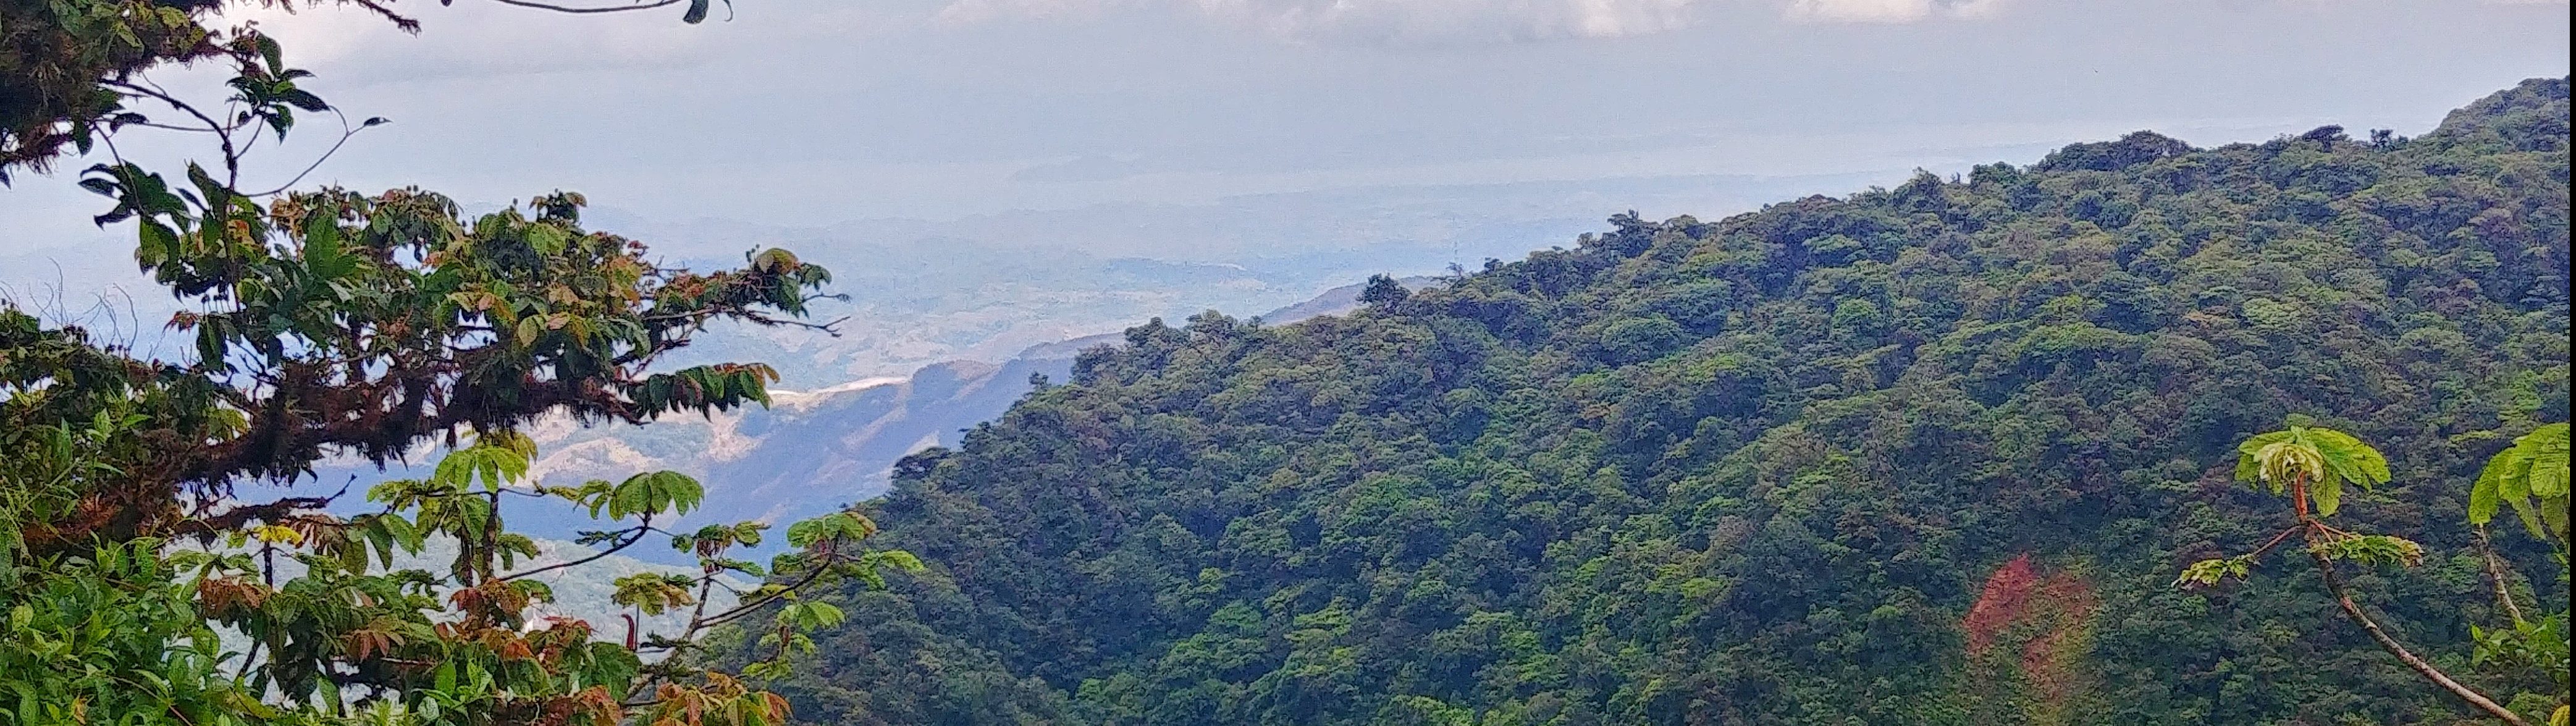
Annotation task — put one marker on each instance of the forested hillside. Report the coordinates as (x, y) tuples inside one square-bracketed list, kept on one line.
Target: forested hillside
[(1922, 455)]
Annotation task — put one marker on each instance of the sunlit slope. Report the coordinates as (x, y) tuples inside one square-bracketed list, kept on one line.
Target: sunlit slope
[(1922, 455)]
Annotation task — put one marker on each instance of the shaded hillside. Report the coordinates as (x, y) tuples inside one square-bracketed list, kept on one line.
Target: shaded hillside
[(1923, 455)]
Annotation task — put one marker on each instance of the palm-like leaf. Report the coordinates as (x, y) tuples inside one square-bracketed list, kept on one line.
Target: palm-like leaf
[(2327, 458), (655, 493), (2534, 468)]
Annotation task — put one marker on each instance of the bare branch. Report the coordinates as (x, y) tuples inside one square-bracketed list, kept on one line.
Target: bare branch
[(636, 534), (346, 131), (2276, 540), (406, 24), (223, 133), (743, 609), (2495, 577)]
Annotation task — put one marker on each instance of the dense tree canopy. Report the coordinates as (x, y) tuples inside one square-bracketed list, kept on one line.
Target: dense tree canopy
[(1922, 455)]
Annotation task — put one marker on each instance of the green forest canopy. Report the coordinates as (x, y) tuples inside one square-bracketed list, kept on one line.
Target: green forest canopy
[(1922, 455)]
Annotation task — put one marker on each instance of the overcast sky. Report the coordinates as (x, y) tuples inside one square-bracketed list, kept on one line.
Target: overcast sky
[(809, 112)]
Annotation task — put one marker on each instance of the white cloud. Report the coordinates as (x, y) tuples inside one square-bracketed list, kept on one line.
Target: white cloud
[(1392, 21), (961, 12), (1888, 11), (1467, 21), (1455, 20)]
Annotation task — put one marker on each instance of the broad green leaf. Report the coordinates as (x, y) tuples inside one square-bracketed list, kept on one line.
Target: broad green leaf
[(2546, 449), (546, 238), (323, 256), (2530, 516), (2326, 458), (2249, 467), (2483, 496), (2532, 476), (656, 492)]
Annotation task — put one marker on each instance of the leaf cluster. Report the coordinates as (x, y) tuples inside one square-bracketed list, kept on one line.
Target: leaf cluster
[(2323, 459), (2531, 476)]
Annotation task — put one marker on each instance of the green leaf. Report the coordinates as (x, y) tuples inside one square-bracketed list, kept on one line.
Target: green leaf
[(269, 52), (2530, 517), (2329, 495), (2326, 458), (843, 525), (323, 255), (653, 592), (811, 615), (2249, 462), (908, 562), (2373, 549), (546, 238), (2546, 450), (655, 492), (2516, 481), (537, 591), (158, 241), (2483, 496), (2255, 443), (2535, 467), (2209, 572), (327, 695), (303, 99), (2348, 458)]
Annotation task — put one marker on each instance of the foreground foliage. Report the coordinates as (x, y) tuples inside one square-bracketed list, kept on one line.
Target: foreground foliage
[(333, 323), (383, 327), (1923, 455), (2311, 465)]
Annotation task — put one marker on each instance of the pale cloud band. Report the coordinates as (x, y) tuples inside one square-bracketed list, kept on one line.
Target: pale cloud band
[(1889, 11), (1452, 21), (1455, 20)]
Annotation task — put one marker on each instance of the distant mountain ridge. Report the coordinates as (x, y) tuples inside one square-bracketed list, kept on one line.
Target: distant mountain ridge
[(1927, 455), (815, 451)]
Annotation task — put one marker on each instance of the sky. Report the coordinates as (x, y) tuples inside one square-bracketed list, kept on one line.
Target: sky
[(808, 113)]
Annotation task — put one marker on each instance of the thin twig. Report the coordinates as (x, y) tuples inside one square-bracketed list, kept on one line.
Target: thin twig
[(223, 133), (345, 133), (742, 609), (2276, 539), (637, 535)]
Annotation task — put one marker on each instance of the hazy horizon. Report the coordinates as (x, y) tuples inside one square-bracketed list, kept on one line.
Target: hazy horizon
[(1329, 139), (803, 113)]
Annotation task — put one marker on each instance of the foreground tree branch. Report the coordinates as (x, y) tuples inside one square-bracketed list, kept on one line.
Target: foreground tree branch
[(2312, 465), (2343, 599)]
